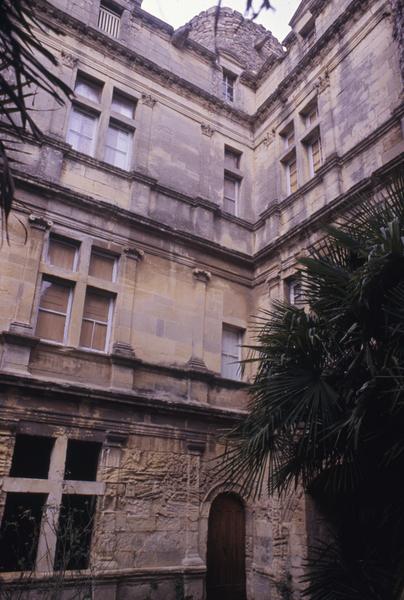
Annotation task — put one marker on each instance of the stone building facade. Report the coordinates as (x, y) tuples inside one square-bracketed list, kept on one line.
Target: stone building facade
[(165, 205)]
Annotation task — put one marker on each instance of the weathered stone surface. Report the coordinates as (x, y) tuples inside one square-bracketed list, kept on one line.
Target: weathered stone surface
[(155, 399)]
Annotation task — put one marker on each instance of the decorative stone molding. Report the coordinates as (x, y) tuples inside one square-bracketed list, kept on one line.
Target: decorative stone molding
[(39, 222), (322, 83), (21, 328), (207, 130), (269, 138), (197, 364), (123, 349), (68, 60), (201, 275), (148, 100), (196, 446), (115, 439), (134, 253)]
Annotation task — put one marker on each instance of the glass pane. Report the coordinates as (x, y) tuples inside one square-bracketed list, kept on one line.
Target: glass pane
[(100, 336), (117, 147), (54, 296), (102, 266), (86, 334), (230, 368), (61, 254), (50, 326), (123, 106), (88, 89), (81, 131), (96, 307), (230, 188), (230, 342), (229, 206)]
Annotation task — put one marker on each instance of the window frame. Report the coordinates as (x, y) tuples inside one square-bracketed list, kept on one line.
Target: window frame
[(68, 284), (289, 190), (90, 112), (237, 182), (119, 125), (67, 242), (310, 154), (228, 83), (111, 299), (100, 252), (238, 357)]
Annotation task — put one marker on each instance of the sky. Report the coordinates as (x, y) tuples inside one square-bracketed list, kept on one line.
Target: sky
[(178, 12)]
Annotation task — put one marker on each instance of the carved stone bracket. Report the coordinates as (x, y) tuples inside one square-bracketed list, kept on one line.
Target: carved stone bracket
[(197, 364), (39, 222), (134, 253), (322, 83), (68, 59), (207, 130), (201, 275), (269, 138), (148, 100), (122, 349)]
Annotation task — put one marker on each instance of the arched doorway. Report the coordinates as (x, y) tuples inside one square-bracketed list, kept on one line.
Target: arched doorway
[(225, 579)]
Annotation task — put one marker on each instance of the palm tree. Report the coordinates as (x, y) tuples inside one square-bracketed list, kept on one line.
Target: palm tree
[(327, 403)]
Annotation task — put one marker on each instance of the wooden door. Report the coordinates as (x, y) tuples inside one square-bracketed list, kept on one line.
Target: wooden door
[(225, 579)]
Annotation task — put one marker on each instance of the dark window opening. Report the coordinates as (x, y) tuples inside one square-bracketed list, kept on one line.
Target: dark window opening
[(31, 456), (19, 531), (82, 460), (74, 532)]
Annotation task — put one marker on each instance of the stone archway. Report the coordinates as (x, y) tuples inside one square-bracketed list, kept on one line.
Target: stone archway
[(226, 573)]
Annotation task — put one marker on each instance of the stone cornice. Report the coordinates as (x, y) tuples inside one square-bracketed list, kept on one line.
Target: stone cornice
[(51, 189), (184, 87), (143, 65), (311, 58), (132, 398)]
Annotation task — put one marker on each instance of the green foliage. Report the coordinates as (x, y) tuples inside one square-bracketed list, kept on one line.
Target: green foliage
[(327, 401)]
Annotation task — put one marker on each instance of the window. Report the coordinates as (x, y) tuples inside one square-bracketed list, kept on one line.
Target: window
[(54, 309), (231, 159), (62, 253), (232, 180), (117, 147), (231, 188), (31, 457), (85, 122), (122, 105), (314, 154), (311, 116), (291, 176), (109, 21), (102, 265), (309, 37), (96, 320), (81, 132), (61, 294), (294, 291), (228, 85), (88, 88), (289, 138), (28, 535), (231, 352)]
